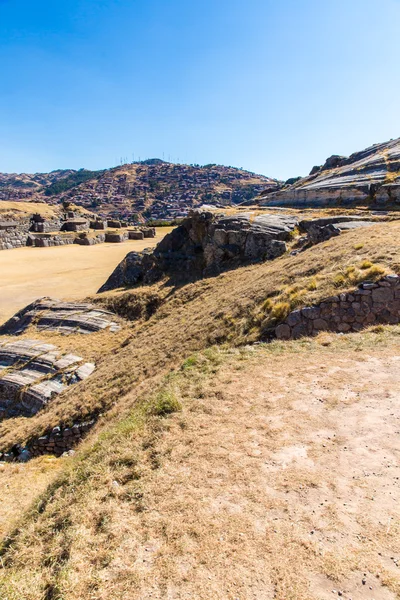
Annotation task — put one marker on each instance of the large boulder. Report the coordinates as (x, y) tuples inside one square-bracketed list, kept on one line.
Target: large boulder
[(206, 244)]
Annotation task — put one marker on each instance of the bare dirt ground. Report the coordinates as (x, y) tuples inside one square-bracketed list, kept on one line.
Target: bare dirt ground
[(280, 479), (68, 272)]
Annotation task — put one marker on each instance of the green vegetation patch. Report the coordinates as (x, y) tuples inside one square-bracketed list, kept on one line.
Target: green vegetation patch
[(71, 181)]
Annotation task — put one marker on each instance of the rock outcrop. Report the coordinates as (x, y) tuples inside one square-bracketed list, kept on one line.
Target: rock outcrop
[(323, 229), (371, 176), (64, 317), (206, 244), (32, 372)]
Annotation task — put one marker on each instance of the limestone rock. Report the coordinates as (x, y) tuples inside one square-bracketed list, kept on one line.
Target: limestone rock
[(323, 229), (369, 176), (65, 317), (32, 373), (206, 244)]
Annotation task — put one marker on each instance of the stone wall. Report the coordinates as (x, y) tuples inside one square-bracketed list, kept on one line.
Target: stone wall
[(84, 240), (13, 238), (47, 240), (352, 311), (206, 244), (44, 226), (58, 441)]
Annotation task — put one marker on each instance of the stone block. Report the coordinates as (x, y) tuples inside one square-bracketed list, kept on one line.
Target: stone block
[(382, 294), (294, 318), (311, 312), (299, 331), (283, 332), (320, 324)]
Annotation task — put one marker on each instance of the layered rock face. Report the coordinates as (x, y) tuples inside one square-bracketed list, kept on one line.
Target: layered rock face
[(371, 176), (64, 317), (206, 244), (31, 373)]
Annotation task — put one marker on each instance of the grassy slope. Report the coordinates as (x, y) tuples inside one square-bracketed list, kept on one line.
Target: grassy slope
[(222, 483), (231, 307), (26, 209)]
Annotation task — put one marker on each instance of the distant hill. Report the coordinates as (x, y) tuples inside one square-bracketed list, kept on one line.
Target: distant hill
[(152, 189), (371, 176)]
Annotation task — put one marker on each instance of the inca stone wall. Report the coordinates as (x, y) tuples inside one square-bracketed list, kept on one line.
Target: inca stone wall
[(47, 241), (13, 238), (205, 244), (39, 233), (352, 311), (58, 441)]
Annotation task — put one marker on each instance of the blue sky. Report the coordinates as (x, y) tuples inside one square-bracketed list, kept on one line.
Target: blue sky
[(267, 85)]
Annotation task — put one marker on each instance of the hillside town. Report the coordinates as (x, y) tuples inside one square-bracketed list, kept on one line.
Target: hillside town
[(150, 190)]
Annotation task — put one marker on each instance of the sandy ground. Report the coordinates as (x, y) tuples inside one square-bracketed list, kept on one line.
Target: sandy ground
[(280, 480), (60, 272)]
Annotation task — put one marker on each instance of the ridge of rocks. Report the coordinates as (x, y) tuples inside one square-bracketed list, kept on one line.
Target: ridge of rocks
[(206, 244)]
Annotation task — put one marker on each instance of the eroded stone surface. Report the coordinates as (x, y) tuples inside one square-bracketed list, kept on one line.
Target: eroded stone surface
[(32, 373), (370, 176), (65, 317)]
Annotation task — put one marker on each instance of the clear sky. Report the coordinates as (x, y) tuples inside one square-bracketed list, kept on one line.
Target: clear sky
[(273, 86)]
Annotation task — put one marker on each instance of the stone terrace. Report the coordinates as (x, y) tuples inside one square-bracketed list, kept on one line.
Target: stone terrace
[(352, 311)]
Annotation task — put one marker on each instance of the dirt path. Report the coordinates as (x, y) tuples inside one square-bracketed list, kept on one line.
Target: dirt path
[(279, 480), (61, 272)]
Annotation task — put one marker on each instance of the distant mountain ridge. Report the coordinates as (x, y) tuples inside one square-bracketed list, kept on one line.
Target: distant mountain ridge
[(152, 188), (371, 176)]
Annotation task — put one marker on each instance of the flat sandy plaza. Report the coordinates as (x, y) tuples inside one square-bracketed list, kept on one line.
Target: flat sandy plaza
[(68, 272)]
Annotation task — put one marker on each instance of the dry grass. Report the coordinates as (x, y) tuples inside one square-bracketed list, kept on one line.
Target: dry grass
[(27, 209), (20, 484), (275, 478), (228, 308)]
